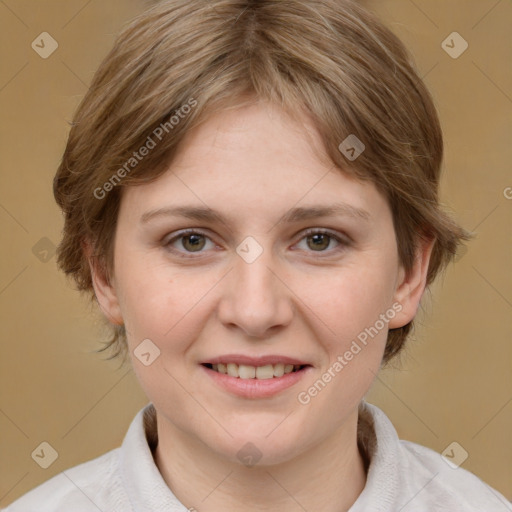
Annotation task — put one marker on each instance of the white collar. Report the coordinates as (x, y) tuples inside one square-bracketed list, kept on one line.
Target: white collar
[(147, 489)]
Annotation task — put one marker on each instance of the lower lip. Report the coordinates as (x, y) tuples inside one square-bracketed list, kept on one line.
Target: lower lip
[(256, 388)]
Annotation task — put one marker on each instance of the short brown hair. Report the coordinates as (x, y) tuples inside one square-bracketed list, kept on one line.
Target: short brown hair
[(329, 59)]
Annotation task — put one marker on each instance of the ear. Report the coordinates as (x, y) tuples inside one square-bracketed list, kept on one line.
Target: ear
[(104, 288), (410, 287)]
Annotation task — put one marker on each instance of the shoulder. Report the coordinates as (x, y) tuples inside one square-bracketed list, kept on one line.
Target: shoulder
[(92, 485), (447, 485), (406, 476)]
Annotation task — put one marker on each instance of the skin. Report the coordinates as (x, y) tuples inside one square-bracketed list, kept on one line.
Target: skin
[(296, 299)]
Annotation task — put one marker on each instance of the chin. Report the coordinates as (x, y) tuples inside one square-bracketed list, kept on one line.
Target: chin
[(256, 449)]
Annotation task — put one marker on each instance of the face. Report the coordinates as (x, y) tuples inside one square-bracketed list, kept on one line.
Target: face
[(254, 257)]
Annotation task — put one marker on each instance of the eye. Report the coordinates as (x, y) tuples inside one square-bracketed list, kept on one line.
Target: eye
[(318, 240), (188, 241)]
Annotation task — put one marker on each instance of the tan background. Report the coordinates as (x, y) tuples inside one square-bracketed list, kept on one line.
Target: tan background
[(455, 383)]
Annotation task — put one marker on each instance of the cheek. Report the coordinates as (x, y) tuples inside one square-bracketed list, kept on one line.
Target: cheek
[(351, 299), (357, 311), (170, 310), (160, 303)]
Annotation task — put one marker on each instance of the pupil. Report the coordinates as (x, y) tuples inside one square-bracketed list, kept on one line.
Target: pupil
[(318, 239), (194, 241)]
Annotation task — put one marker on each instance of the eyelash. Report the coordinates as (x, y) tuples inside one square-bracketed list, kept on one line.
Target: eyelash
[(342, 241)]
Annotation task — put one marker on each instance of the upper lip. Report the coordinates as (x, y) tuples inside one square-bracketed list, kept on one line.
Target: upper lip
[(255, 360)]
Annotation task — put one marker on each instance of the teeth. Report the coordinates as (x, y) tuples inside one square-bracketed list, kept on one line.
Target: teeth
[(278, 370), (232, 369), (265, 372), (245, 371)]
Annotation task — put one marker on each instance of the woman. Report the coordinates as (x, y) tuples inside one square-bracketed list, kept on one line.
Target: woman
[(250, 192)]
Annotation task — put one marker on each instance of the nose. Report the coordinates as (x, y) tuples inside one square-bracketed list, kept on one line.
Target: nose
[(255, 298)]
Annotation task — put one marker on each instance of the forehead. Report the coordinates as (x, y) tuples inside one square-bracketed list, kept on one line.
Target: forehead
[(257, 132), (252, 160)]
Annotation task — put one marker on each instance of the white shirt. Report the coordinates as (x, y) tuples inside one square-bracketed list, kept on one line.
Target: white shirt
[(402, 476)]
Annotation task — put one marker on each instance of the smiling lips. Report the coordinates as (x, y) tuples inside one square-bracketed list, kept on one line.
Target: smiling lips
[(255, 377), (245, 371)]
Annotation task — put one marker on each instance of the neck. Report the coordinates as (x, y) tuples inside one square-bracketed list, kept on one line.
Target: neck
[(328, 477)]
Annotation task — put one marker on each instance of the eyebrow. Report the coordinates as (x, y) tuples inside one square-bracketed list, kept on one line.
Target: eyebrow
[(204, 213)]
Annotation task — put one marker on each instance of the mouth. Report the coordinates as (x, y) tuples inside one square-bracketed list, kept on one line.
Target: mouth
[(255, 377), (263, 372)]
